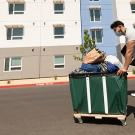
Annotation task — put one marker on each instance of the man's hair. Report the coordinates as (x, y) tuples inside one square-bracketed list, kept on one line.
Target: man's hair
[(116, 24)]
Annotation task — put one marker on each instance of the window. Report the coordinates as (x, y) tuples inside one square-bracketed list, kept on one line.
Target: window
[(13, 64), (134, 26), (97, 35), (14, 33), (95, 14), (132, 7), (94, 0), (59, 61), (58, 31), (58, 8), (15, 8)]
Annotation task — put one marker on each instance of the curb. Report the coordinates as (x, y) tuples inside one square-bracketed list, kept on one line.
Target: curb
[(34, 84), (45, 84), (131, 77)]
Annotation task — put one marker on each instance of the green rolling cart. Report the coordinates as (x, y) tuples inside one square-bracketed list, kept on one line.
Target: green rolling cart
[(98, 95)]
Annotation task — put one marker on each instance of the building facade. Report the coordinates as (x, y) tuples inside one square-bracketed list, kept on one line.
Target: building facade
[(38, 38), (124, 11), (96, 17)]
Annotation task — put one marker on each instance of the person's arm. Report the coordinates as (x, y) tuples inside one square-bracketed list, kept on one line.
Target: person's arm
[(129, 54), (128, 57)]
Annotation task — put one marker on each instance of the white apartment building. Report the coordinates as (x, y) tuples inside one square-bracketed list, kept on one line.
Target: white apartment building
[(38, 38), (124, 10)]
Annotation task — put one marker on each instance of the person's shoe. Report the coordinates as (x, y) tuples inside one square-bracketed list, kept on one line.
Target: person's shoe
[(133, 94)]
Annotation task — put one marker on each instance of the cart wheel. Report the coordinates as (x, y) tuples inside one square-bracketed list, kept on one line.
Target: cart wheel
[(124, 123), (78, 120)]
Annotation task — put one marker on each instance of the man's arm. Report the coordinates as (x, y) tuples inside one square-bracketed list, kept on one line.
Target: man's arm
[(128, 57), (129, 54)]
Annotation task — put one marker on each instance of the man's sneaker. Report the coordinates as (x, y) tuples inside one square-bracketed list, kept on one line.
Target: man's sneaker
[(133, 94)]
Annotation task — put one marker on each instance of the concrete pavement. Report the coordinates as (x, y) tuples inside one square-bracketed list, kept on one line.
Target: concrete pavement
[(48, 111), (41, 81)]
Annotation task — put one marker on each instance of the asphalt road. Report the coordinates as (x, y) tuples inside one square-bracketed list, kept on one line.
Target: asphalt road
[(48, 111)]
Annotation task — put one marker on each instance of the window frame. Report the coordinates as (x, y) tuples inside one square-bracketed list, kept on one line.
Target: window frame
[(10, 68), (12, 36), (59, 11), (59, 36), (95, 0), (94, 14), (133, 25), (132, 11), (14, 12), (96, 29), (60, 64)]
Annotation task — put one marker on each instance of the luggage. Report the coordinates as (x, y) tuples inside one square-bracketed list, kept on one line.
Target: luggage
[(104, 94)]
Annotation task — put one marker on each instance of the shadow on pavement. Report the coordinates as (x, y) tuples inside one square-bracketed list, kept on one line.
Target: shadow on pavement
[(130, 91), (108, 121), (130, 110)]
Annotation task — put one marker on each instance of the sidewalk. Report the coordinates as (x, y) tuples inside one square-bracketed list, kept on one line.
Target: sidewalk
[(33, 82), (131, 75), (41, 81)]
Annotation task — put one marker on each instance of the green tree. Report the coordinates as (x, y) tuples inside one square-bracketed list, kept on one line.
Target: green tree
[(87, 46)]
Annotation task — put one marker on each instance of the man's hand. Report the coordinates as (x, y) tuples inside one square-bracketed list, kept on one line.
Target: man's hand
[(121, 71)]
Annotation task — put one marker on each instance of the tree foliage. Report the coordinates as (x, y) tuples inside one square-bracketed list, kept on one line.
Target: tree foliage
[(88, 45)]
